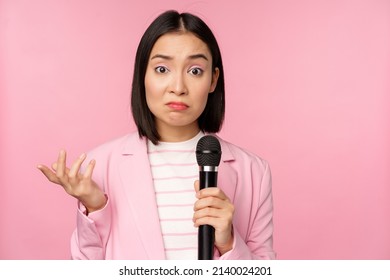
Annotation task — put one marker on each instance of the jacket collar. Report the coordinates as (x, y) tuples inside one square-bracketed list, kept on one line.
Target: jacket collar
[(136, 144)]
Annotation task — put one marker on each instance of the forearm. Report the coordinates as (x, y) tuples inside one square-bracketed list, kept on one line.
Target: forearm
[(90, 238)]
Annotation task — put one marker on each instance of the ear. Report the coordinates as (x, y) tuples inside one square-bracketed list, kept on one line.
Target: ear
[(214, 79)]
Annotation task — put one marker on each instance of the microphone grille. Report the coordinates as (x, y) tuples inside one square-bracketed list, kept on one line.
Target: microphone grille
[(208, 151)]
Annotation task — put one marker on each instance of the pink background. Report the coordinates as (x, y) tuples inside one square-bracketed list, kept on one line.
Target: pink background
[(307, 85)]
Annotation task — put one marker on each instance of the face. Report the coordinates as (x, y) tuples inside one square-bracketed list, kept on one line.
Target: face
[(178, 80)]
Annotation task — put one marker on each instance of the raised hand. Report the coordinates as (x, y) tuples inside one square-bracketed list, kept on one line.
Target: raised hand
[(214, 208), (76, 184)]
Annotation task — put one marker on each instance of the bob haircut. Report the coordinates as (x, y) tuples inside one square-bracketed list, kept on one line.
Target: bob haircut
[(212, 117)]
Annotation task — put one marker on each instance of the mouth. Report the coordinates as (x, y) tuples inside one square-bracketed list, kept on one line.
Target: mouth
[(178, 106)]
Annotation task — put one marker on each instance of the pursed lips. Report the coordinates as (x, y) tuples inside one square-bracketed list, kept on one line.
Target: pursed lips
[(177, 105)]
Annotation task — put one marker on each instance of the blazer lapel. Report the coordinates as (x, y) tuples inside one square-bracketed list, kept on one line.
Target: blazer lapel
[(227, 176), (134, 169), (138, 184)]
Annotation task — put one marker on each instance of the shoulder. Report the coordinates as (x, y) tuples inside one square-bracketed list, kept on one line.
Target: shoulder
[(234, 153), (118, 145)]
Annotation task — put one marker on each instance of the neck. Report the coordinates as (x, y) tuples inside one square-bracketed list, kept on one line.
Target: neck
[(177, 134)]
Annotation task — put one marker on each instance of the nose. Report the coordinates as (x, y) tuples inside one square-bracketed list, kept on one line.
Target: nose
[(178, 85)]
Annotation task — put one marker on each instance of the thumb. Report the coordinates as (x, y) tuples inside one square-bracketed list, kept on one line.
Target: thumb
[(196, 186)]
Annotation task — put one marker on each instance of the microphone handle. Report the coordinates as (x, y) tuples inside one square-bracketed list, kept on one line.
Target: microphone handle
[(206, 233)]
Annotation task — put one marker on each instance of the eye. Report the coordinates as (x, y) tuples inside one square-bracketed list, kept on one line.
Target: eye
[(161, 69), (196, 71)]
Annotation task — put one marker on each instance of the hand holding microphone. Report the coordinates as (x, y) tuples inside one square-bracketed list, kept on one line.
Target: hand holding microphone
[(213, 210)]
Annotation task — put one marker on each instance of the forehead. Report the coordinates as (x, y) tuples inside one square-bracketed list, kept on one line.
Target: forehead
[(180, 43)]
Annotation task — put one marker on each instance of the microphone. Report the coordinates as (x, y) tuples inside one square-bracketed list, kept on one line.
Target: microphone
[(208, 156)]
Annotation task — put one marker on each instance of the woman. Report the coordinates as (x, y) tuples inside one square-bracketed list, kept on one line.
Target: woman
[(138, 195)]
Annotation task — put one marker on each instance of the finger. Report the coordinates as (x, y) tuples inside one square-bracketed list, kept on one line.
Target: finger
[(219, 224), (214, 192), (89, 170), (207, 212), (212, 221), (210, 201), (54, 166), (61, 164), (74, 170), (50, 175), (225, 213)]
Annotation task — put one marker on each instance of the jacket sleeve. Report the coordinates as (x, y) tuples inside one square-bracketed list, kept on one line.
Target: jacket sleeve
[(258, 244), (89, 239)]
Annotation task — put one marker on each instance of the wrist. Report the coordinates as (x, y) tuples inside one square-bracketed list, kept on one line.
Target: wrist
[(226, 247), (96, 204)]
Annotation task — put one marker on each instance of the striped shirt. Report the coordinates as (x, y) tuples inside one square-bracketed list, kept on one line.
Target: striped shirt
[(174, 170)]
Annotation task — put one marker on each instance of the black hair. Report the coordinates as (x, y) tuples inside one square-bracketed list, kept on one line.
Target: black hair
[(212, 117)]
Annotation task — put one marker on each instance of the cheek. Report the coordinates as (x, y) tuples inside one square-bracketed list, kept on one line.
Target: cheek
[(148, 83), (150, 93), (202, 93), (151, 87), (202, 101), (151, 100)]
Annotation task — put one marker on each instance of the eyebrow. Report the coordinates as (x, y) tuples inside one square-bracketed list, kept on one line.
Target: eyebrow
[(167, 57)]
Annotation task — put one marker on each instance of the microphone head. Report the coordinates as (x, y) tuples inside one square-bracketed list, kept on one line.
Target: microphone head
[(208, 151)]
